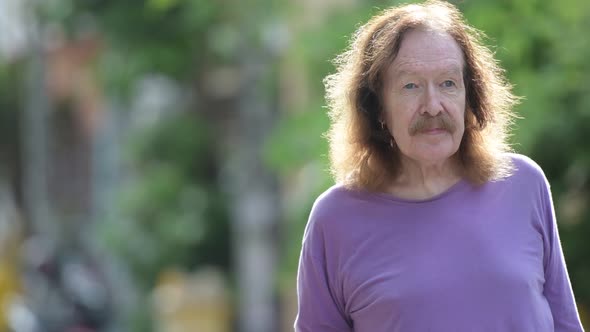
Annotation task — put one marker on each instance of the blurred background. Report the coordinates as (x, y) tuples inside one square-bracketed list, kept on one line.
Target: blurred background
[(159, 158)]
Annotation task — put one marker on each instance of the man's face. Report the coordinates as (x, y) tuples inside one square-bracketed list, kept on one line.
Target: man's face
[(424, 97)]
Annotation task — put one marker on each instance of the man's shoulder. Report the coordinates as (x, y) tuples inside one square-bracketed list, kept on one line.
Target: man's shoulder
[(332, 199), (525, 168), (335, 206)]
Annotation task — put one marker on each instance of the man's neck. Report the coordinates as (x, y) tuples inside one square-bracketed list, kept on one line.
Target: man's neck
[(423, 181)]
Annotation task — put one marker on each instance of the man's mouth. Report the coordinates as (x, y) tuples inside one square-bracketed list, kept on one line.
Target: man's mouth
[(433, 131)]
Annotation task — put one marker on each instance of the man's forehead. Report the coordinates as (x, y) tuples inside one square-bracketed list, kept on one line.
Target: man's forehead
[(413, 67), (428, 50), (427, 41)]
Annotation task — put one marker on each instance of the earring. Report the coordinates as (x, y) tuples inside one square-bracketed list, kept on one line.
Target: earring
[(391, 144)]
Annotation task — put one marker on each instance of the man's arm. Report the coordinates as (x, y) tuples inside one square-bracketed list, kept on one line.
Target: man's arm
[(557, 288), (317, 309)]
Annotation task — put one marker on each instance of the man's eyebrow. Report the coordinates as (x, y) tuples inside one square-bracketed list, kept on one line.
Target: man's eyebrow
[(454, 70), (403, 72)]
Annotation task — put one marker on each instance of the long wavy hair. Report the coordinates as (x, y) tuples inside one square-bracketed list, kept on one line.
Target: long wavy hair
[(361, 153)]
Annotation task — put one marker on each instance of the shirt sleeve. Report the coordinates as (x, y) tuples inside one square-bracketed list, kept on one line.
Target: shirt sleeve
[(319, 309), (557, 288)]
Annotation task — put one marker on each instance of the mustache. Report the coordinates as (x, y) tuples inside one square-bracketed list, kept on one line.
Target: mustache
[(426, 122)]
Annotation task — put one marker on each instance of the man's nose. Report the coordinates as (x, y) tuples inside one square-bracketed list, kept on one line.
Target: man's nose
[(432, 104)]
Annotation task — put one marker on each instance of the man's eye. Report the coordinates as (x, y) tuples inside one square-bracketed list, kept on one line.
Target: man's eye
[(410, 86), (448, 84)]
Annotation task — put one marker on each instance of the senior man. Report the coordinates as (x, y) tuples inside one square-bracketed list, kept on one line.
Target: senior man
[(433, 225)]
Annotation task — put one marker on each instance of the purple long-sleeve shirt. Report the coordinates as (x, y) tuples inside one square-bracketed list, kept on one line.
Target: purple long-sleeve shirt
[(480, 259)]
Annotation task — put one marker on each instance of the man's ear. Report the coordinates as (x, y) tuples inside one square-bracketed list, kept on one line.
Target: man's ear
[(469, 118)]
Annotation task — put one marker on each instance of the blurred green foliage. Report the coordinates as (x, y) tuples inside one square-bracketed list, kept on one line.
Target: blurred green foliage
[(164, 36), (172, 212), (11, 79), (173, 207)]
